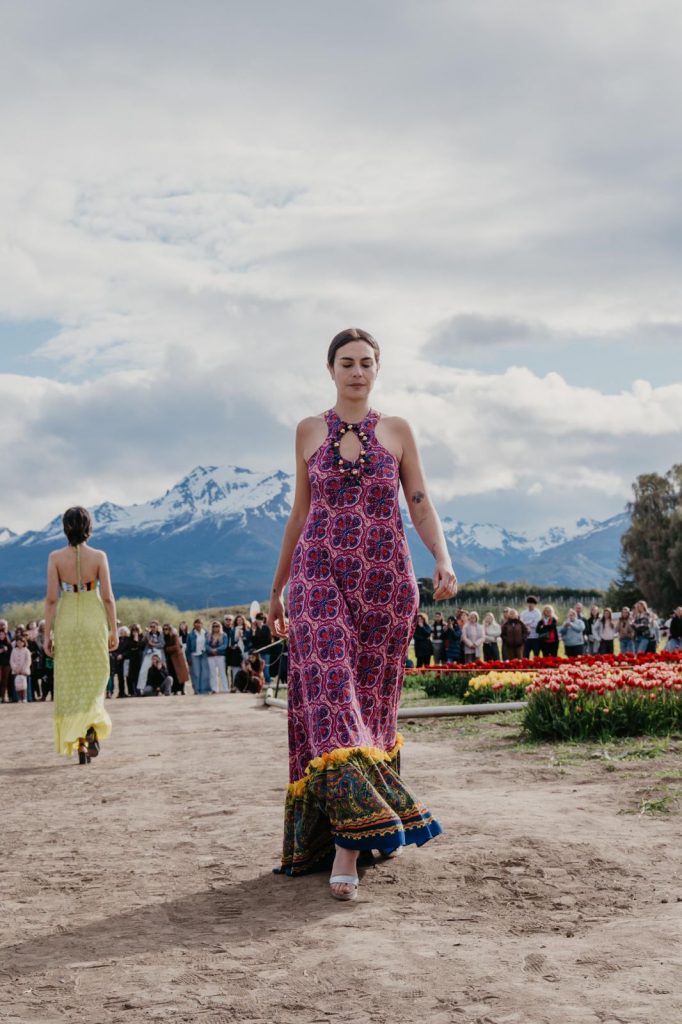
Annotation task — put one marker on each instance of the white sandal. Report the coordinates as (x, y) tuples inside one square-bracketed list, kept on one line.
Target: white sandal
[(345, 880)]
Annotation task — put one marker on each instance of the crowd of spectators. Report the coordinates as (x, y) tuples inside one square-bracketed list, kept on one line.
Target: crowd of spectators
[(228, 655), (536, 632), (234, 654)]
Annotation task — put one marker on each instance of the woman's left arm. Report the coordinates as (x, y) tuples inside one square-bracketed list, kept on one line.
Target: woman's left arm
[(423, 514), (51, 599)]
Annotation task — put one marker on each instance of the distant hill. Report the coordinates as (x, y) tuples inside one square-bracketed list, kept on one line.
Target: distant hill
[(214, 538)]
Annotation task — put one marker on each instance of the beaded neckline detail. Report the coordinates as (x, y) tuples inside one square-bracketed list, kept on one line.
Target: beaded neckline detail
[(350, 468)]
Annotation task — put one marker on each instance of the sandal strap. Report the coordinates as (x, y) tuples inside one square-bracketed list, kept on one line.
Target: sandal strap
[(344, 880)]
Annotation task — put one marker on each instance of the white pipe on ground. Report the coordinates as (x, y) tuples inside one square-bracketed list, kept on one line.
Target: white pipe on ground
[(433, 712)]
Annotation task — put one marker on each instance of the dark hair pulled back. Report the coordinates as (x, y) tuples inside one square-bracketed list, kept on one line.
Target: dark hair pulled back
[(77, 525), (351, 334)]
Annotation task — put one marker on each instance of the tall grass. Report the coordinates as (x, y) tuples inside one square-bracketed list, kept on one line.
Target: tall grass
[(128, 609)]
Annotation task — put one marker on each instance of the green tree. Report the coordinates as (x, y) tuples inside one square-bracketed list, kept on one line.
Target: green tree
[(652, 547), (623, 591)]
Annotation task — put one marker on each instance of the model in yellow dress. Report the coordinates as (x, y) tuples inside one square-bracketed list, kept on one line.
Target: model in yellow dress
[(81, 605)]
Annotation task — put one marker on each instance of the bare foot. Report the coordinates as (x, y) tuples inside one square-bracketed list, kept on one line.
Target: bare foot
[(345, 863)]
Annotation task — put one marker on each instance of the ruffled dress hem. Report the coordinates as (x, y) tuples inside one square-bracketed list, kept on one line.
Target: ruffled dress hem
[(351, 797)]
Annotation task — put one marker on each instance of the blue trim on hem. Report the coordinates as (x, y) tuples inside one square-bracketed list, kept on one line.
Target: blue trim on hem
[(416, 836)]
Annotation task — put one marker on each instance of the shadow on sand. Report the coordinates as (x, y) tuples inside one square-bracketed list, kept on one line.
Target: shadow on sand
[(220, 917)]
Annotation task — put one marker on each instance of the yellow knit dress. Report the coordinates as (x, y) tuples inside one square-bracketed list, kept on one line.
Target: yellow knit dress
[(81, 666)]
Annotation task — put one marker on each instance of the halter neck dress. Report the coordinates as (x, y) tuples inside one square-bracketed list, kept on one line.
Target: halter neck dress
[(352, 601), (81, 664)]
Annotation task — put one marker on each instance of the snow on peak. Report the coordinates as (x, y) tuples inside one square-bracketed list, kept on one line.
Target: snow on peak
[(6, 534), (208, 491), (483, 535)]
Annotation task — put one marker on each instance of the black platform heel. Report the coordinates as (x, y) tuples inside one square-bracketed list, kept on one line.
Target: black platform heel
[(83, 757), (92, 743)]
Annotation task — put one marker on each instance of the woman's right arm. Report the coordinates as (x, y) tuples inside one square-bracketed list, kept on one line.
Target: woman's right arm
[(297, 518)]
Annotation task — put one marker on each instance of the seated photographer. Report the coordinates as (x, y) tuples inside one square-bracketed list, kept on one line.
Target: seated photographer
[(249, 678), (158, 678)]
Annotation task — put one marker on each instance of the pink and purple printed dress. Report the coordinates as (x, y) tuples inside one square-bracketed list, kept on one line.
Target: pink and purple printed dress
[(352, 603)]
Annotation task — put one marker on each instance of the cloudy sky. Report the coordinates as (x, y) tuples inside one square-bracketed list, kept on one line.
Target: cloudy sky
[(195, 198)]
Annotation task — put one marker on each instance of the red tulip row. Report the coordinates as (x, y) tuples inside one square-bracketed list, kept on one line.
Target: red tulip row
[(575, 680), (541, 664)]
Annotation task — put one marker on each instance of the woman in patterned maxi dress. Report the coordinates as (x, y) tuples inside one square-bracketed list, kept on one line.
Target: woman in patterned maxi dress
[(352, 603), (81, 605)]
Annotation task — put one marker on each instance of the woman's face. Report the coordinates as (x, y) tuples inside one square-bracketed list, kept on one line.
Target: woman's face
[(355, 370), (572, 615)]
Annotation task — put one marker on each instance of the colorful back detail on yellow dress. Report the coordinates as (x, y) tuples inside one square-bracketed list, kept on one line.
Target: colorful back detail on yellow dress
[(81, 666)]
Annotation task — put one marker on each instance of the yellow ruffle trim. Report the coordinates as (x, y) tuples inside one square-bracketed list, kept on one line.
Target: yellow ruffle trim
[(339, 756)]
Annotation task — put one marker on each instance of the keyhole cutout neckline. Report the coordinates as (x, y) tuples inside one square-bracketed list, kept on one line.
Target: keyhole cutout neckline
[(339, 433)]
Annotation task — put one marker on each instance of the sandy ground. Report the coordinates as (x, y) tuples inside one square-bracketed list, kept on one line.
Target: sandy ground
[(139, 888)]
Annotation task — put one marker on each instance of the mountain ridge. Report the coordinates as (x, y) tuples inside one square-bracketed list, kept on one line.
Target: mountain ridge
[(214, 537)]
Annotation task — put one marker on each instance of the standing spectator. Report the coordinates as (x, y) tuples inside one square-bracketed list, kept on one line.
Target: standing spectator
[(604, 629), (423, 648), (491, 635), (655, 637), (453, 641), (438, 638), (176, 662), (572, 633), (626, 632), (514, 634), (228, 623), (530, 618), (135, 652), (462, 619), (5, 655), (674, 632), (195, 650), (153, 644), (236, 651), (242, 627), (35, 647), (473, 636), (548, 633), (262, 638), (591, 639), (20, 664), (643, 626), (120, 660), (183, 633), (215, 651)]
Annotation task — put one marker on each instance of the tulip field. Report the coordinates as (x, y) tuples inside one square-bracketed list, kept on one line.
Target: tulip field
[(588, 698)]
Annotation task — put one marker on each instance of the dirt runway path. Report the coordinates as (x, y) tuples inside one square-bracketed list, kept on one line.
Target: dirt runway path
[(139, 888)]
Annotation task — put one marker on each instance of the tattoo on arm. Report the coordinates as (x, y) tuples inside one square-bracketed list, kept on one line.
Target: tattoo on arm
[(418, 496)]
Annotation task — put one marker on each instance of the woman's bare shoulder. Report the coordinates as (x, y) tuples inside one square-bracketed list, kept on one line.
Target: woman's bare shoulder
[(397, 423), (311, 424)]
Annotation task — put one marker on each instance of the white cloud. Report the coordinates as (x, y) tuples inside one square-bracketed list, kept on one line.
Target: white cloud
[(201, 198)]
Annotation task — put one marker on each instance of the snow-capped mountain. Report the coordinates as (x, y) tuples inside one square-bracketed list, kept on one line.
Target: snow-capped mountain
[(214, 538), (207, 493), (6, 535)]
